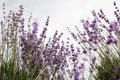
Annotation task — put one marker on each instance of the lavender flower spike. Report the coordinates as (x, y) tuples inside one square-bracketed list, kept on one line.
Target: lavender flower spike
[(35, 27)]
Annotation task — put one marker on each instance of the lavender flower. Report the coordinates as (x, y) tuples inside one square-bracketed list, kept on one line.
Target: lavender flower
[(35, 27), (47, 21), (76, 77), (100, 40)]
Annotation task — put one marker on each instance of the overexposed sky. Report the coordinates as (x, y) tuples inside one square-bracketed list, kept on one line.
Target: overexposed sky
[(63, 13)]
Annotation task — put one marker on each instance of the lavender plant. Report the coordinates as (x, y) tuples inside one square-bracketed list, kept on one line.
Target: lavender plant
[(100, 41), (9, 47), (27, 54), (49, 60)]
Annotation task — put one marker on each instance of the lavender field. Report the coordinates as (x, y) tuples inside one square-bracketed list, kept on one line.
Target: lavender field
[(90, 51)]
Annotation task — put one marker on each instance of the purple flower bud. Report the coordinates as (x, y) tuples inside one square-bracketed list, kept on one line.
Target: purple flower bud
[(21, 6), (93, 59), (84, 51), (107, 52), (114, 3), (60, 76), (109, 41), (78, 49), (1, 23), (35, 27), (113, 25), (76, 76), (22, 21), (23, 37), (47, 21), (73, 35)]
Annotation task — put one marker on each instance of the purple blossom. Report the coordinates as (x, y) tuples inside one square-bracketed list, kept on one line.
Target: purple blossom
[(86, 25), (93, 60), (76, 76), (36, 53), (113, 25), (73, 35), (47, 21), (35, 27), (110, 40), (60, 76), (43, 34)]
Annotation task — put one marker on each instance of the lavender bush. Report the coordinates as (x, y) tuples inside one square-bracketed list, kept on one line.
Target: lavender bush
[(27, 54), (100, 42), (9, 47)]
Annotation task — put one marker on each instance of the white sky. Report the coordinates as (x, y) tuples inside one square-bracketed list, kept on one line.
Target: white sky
[(62, 13)]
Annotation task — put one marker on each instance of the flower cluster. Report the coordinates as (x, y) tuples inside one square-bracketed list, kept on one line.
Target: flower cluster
[(51, 58), (27, 54), (100, 41)]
